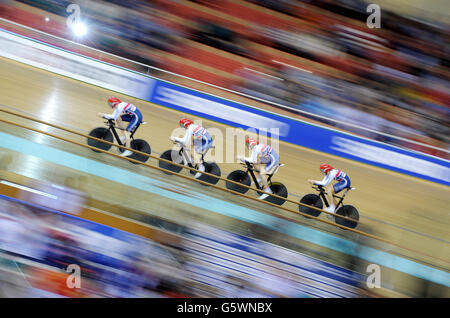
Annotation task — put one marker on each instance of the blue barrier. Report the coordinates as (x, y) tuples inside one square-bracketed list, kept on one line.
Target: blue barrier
[(301, 133)]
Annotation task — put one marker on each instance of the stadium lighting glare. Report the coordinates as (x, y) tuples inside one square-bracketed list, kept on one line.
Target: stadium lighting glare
[(79, 29)]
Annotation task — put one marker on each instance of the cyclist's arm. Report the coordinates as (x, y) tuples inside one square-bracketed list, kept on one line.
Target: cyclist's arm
[(114, 115), (187, 137), (253, 157), (327, 179)]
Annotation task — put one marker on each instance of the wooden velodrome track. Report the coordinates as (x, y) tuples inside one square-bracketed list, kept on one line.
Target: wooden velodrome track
[(402, 209)]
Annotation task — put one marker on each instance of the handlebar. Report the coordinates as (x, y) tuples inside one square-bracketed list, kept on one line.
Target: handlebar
[(247, 164), (112, 123), (182, 146), (250, 165), (175, 142), (317, 187)]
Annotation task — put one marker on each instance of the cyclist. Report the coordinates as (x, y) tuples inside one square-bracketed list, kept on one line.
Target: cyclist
[(124, 112), (201, 139), (330, 173), (261, 154)]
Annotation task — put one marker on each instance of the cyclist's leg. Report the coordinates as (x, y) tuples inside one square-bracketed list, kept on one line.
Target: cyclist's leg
[(139, 119), (132, 120), (335, 189), (197, 151), (126, 118), (345, 183), (207, 143), (270, 166), (119, 122), (329, 191), (189, 153), (201, 148), (262, 178), (256, 169), (338, 187)]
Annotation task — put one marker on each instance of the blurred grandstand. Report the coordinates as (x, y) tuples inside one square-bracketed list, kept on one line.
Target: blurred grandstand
[(311, 59), (38, 245), (317, 59)]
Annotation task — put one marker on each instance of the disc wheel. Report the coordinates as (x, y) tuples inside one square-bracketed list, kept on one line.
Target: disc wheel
[(313, 200), (241, 177), (213, 168), (350, 212), (101, 133), (171, 155), (142, 146), (277, 189)]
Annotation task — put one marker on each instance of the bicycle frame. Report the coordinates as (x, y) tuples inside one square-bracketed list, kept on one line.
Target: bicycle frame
[(112, 127), (250, 169), (187, 158), (182, 152), (325, 201)]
